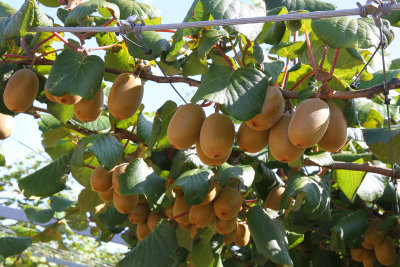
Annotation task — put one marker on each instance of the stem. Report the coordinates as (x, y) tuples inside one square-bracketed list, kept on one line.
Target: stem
[(248, 45), (127, 141), (33, 108), (323, 57), (206, 103), (285, 74), (177, 216), (89, 166), (235, 52), (66, 42), (283, 174), (15, 56), (103, 47), (301, 80), (225, 56), (251, 200), (83, 37), (334, 62), (171, 31), (310, 51), (42, 42)]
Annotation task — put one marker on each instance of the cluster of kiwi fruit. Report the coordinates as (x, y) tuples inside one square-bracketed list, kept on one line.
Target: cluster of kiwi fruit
[(376, 247), (221, 206)]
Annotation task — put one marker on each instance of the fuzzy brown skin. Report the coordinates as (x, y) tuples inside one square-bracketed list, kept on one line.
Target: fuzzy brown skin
[(86, 110), (201, 215), (228, 203), (336, 133), (6, 126), (385, 252), (274, 198), (101, 179), (251, 141)]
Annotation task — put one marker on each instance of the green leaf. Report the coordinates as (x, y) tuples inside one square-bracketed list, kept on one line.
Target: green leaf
[(50, 3), (130, 8), (48, 180), (293, 5), (378, 78), (144, 126), (154, 190), (162, 239), (118, 58), (16, 26), (133, 179), (349, 181), (208, 40), (320, 158), (242, 92), (89, 200), (13, 245), (111, 217), (269, 236), (81, 173), (203, 249), (152, 40), (234, 9), (6, 10), (195, 183), (244, 173), (297, 74), (36, 214), (192, 65), (61, 112), (286, 49), (347, 32), (81, 13), (273, 69), (107, 149), (372, 187), (78, 75), (184, 160), (59, 204), (378, 142), (101, 124)]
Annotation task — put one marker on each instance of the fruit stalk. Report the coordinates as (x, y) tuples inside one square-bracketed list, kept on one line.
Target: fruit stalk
[(66, 42), (310, 52), (225, 56)]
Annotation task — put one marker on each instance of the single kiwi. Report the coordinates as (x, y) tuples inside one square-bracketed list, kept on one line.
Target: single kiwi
[(229, 238), (217, 135), (367, 245), (125, 96), (213, 192), (49, 96), (385, 251), (142, 230), (90, 110), (274, 198), (107, 196), (271, 111), (139, 214), (184, 127), (357, 254), (153, 219), (68, 99), (117, 171), (6, 125), (309, 123), (279, 144), (101, 179), (201, 215), (209, 161), (242, 237), (228, 203), (185, 226), (125, 204), (368, 258), (336, 133), (193, 231), (179, 208), (250, 140), (21, 90), (371, 235), (225, 226), (169, 211)]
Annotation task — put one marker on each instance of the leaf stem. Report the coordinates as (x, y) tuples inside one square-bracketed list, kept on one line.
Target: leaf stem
[(285, 74), (310, 51), (323, 57), (66, 42), (225, 56), (248, 45), (235, 52), (179, 215), (301, 80), (42, 42), (89, 166), (334, 62), (103, 47)]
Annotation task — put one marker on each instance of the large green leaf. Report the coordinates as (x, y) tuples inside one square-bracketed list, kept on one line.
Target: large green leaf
[(152, 40), (162, 241), (81, 13), (102, 123), (59, 204), (6, 10), (244, 173), (320, 158), (184, 160), (154, 190), (203, 251), (13, 245), (50, 3), (118, 58), (372, 187), (133, 179), (61, 112), (111, 217), (144, 126), (293, 5), (349, 181), (234, 9), (36, 214), (242, 92), (130, 8), (89, 200), (48, 180), (195, 183), (379, 144), (348, 32), (75, 74), (208, 40), (269, 236)]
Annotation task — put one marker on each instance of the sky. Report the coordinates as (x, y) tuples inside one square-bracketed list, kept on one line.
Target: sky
[(173, 11)]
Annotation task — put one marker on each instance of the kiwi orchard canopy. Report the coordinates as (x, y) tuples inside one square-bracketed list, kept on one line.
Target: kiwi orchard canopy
[(206, 192)]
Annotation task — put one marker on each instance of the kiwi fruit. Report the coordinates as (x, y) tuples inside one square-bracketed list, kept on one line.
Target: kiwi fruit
[(250, 140), (184, 127), (368, 258), (357, 254), (229, 238), (214, 190), (101, 179), (117, 171), (21, 90), (125, 204), (279, 144), (271, 110), (180, 207), (6, 125), (125, 96), (367, 245), (153, 219), (107, 196), (309, 123), (336, 133), (142, 230), (193, 231), (185, 226), (225, 226), (371, 235), (139, 214), (228, 203), (385, 251), (90, 110), (201, 215), (68, 99), (242, 237), (217, 135), (209, 161), (169, 211), (49, 96), (274, 198)]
